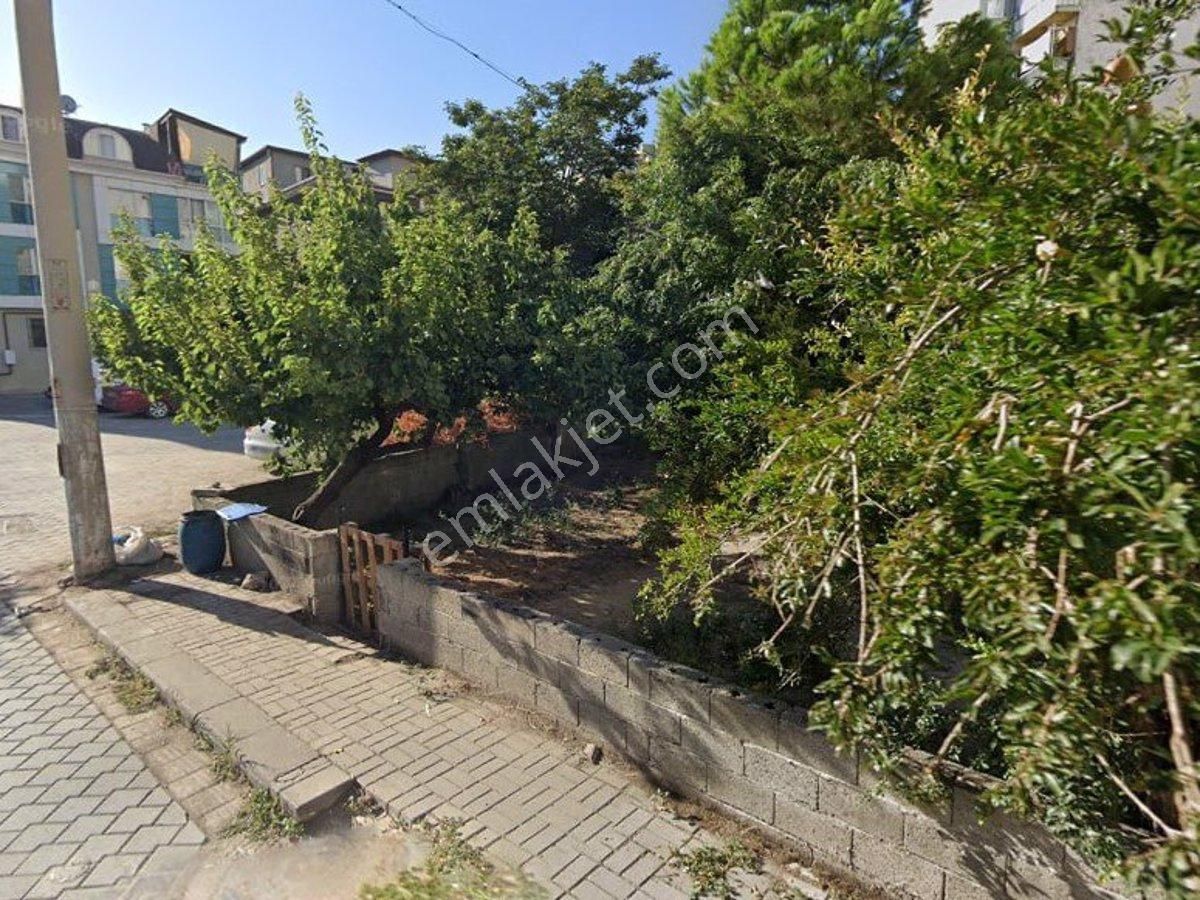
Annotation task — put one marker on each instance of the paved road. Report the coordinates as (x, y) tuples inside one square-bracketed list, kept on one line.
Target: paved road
[(151, 467), (80, 815)]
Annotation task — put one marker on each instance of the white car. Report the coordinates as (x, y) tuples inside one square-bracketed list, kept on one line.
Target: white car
[(259, 442)]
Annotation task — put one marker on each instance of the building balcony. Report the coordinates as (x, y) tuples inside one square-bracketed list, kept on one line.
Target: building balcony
[(1041, 16), (141, 225)]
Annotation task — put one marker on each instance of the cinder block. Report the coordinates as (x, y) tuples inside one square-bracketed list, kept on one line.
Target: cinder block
[(743, 794), (673, 768), (557, 704), (687, 691), (557, 639), (637, 741), (479, 668), (641, 664), (737, 713), (1026, 845), (790, 779), (958, 888), (494, 622), (602, 724), (865, 812), (931, 837), (605, 657), (812, 748), (717, 748), (884, 863), (517, 685), (634, 709), (829, 837), (582, 685)]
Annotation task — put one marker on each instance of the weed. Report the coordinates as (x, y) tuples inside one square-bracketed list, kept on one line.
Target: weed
[(226, 764), (262, 818), (134, 690), (453, 869), (362, 804), (174, 716), (710, 867)]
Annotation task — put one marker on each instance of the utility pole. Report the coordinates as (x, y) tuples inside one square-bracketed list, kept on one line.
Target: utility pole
[(79, 458)]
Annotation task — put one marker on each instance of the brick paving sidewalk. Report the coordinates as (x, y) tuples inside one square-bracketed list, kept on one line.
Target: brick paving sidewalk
[(80, 815), (524, 796)]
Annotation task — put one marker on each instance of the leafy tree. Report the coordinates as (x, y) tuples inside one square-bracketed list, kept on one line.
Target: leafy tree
[(1002, 495), (558, 151), (793, 106), (336, 316)]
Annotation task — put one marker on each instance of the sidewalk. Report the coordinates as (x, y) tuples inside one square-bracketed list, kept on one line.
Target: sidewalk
[(80, 815), (409, 736)]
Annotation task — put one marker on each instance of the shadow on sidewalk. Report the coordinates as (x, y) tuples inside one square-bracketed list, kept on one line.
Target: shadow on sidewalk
[(267, 613)]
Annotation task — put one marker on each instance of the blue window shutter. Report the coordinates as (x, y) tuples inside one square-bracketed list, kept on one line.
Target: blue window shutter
[(108, 271), (20, 214), (11, 281), (164, 213)]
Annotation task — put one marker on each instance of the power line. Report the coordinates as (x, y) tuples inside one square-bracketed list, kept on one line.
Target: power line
[(436, 32)]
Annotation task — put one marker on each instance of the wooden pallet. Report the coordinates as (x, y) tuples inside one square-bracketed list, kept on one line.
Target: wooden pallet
[(362, 555)]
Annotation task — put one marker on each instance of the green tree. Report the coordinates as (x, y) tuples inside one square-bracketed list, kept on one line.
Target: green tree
[(559, 150), (794, 105), (1001, 498), (337, 315)]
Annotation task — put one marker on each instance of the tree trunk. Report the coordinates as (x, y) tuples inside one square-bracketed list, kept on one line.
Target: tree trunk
[(328, 491)]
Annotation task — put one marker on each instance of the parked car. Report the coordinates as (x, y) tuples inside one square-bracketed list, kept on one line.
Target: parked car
[(260, 443), (129, 401)]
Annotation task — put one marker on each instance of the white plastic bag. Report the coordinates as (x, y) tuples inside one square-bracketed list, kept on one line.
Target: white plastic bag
[(133, 547)]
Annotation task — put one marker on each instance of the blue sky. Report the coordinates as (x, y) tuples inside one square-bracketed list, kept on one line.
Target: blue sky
[(375, 78)]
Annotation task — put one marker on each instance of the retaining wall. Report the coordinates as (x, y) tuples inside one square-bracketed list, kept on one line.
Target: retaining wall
[(711, 742), (305, 561)]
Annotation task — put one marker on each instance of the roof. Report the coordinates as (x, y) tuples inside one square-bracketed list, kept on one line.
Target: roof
[(148, 153), (387, 151), (269, 148), (187, 117)]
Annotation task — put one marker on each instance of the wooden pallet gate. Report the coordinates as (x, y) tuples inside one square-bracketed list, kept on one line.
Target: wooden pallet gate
[(362, 555)]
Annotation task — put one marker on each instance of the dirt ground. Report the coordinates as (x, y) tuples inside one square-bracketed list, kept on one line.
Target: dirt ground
[(576, 556)]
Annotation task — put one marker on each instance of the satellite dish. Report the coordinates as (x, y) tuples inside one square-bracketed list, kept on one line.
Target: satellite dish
[(68, 104)]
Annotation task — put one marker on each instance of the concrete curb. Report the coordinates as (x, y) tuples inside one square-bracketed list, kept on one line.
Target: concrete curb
[(269, 755)]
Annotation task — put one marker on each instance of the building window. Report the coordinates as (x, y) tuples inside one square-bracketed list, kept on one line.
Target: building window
[(20, 200), (10, 127), (136, 204), (302, 172), (105, 144), (37, 333), (262, 176), (194, 211), (28, 282)]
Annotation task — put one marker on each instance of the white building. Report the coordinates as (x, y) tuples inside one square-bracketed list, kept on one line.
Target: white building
[(1070, 31), (154, 174)]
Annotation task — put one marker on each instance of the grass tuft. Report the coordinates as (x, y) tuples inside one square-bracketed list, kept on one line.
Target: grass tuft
[(134, 690), (262, 818), (454, 869), (710, 868)]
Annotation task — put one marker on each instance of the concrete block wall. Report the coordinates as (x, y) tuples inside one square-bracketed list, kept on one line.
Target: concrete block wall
[(405, 484), (305, 563), (744, 756)]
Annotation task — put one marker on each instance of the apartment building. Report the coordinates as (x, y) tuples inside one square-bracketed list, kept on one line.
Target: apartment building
[(289, 170), (154, 174), (1071, 32)]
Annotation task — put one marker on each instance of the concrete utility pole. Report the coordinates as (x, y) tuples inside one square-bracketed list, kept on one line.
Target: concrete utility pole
[(79, 458)]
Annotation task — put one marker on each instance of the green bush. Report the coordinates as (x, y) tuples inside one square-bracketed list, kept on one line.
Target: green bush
[(1004, 491)]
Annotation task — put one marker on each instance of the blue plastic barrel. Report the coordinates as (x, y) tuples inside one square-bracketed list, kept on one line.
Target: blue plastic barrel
[(201, 541)]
